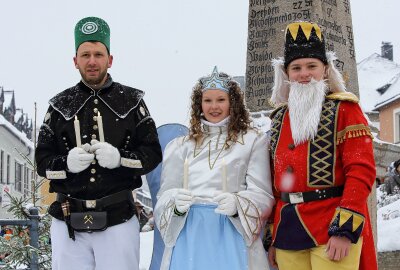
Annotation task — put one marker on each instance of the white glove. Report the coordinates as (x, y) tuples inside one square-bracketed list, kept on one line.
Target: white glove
[(107, 155), (183, 200), (78, 159), (226, 204)]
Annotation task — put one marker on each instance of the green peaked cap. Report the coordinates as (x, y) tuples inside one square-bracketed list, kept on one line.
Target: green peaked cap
[(92, 29)]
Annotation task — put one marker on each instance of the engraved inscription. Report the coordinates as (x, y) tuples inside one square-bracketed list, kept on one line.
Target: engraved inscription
[(267, 22)]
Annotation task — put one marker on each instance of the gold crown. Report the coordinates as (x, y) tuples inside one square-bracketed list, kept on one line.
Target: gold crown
[(307, 27)]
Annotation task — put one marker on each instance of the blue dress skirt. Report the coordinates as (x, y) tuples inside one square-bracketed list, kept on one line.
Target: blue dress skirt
[(208, 241)]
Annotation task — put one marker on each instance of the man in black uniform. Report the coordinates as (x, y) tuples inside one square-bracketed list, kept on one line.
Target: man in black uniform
[(96, 141)]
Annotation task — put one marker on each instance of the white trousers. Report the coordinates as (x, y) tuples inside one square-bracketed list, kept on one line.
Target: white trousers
[(115, 248)]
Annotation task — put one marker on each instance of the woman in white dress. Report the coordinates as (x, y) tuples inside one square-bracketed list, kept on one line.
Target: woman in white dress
[(215, 185)]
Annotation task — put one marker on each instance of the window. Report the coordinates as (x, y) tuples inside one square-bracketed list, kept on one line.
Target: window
[(2, 167), (26, 181), (18, 176), (8, 169)]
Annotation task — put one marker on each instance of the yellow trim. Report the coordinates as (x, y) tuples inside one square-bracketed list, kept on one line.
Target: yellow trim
[(358, 220), (304, 226), (247, 216), (345, 215), (279, 222), (343, 96), (312, 184), (307, 27), (277, 109), (198, 150), (334, 215), (353, 132), (277, 142)]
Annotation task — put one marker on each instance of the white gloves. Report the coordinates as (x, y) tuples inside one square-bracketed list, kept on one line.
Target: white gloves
[(79, 159), (107, 155), (226, 204), (183, 200)]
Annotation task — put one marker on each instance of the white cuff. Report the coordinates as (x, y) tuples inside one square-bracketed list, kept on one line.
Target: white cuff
[(131, 163), (56, 175)]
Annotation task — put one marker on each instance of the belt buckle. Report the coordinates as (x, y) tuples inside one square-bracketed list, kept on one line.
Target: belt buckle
[(296, 197), (90, 204)]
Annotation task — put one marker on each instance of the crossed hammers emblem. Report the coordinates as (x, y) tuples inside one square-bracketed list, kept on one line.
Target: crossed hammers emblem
[(88, 219)]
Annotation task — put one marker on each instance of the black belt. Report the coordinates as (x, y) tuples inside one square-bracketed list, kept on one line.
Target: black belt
[(309, 196), (98, 204)]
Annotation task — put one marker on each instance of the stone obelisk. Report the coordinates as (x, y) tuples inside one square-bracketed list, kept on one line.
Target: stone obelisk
[(267, 22)]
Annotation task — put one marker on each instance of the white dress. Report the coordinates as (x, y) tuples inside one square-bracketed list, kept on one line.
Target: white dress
[(248, 177)]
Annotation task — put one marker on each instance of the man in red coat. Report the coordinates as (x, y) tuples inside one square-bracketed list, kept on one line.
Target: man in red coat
[(323, 163)]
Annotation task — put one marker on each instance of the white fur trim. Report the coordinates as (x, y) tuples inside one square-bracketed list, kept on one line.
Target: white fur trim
[(280, 90), (335, 78)]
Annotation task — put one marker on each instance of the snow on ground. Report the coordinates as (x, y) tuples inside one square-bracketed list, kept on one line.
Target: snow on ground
[(388, 219), (261, 121)]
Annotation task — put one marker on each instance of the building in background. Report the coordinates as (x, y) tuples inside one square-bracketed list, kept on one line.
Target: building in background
[(15, 116), (15, 172)]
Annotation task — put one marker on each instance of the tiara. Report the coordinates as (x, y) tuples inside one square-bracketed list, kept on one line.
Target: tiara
[(215, 81)]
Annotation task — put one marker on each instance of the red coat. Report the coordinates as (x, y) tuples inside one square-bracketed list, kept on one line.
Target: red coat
[(340, 155)]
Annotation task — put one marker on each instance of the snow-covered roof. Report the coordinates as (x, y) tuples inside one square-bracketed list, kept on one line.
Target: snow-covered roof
[(7, 98), (391, 94), (18, 114), (374, 72), (16, 132)]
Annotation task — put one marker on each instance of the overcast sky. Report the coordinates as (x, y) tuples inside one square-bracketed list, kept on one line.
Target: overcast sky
[(159, 46)]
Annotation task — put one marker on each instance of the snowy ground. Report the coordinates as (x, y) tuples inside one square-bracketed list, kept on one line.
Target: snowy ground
[(388, 219)]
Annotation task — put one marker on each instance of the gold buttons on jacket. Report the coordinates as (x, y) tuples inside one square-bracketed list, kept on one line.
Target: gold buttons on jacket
[(94, 161), (96, 101), (95, 110), (291, 146), (95, 118), (93, 171), (94, 136), (95, 127), (92, 179)]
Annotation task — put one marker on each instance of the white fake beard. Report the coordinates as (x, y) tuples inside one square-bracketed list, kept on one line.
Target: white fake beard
[(305, 106)]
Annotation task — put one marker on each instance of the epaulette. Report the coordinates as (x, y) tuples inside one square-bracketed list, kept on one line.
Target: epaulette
[(343, 96)]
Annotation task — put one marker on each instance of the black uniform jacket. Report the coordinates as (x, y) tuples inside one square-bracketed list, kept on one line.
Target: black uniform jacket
[(127, 125)]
